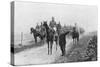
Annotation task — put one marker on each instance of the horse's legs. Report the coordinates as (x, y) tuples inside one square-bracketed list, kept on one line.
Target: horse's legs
[(77, 38), (43, 39), (73, 40), (48, 47), (64, 49), (56, 45), (51, 44), (35, 39)]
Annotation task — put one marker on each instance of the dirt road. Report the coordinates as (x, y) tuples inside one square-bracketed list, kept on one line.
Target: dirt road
[(38, 55)]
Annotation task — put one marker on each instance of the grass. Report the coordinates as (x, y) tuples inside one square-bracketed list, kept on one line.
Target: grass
[(77, 53)]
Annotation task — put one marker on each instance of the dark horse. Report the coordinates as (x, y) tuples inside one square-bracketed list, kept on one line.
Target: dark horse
[(36, 34), (75, 36), (49, 37)]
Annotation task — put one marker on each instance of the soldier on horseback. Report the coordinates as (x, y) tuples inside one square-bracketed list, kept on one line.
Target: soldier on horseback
[(52, 23), (42, 31), (37, 28), (49, 36), (75, 28)]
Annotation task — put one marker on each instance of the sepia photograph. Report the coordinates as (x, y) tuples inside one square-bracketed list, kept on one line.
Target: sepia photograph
[(50, 33)]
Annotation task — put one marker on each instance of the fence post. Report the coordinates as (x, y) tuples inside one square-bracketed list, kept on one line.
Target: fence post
[(21, 38)]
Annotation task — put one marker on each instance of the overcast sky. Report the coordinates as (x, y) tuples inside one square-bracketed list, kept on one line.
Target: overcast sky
[(28, 14)]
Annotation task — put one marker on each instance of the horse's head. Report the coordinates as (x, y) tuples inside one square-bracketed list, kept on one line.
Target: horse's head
[(44, 22), (32, 30), (46, 25)]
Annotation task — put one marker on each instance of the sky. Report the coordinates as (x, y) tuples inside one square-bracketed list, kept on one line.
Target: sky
[(28, 14)]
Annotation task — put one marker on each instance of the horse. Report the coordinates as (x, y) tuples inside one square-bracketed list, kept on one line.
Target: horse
[(57, 32), (75, 36), (43, 32), (49, 37), (36, 34)]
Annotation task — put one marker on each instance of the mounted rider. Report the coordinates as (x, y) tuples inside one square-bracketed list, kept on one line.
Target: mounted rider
[(42, 29), (52, 23), (75, 28), (37, 27)]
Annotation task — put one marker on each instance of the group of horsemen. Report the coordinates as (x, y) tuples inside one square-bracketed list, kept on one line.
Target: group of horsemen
[(61, 34)]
